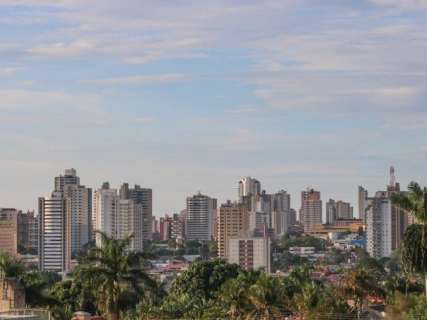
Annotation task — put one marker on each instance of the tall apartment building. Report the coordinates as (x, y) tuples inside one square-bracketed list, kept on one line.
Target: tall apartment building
[(232, 221), (249, 187), (177, 227), (280, 216), (118, 217), (28, 233), (251, 253), (143, 197), (201, 215), (378, 226), (81, 208), (385, 223), (338, 210), (311, 210), (55, 233), (362, 195), (9, 231)]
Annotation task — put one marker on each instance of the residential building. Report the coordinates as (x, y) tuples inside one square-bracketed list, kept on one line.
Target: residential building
[(378, 225), (362, 203), (9, 231), (105, 203), (81, 208), (311, 210), (28, 233), (201, 214), (232, 221), (280, 216), (338, 210), (55, 233), (143, 197), (177, 227), (249, 187), (118, 217), (251, 253)]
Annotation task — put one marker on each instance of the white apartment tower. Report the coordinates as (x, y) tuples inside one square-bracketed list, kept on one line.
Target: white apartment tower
[(378, 226), (80, 205), (117, 218), (201, 215), (55, 233)]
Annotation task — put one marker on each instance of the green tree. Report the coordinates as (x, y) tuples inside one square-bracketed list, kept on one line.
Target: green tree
[(358, 284), (414, 244), (110, 270), (10, 267), (196, 288)]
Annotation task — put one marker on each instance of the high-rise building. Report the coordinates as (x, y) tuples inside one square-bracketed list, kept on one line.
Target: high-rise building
[(9, 231), (251, 253), (378, 226), (105, 203), (338, 210), (400, 219), (201, 214), (311, 210), (55, 233), (81, 208), (143, 197), (28, 232), (118, 217), (249, 187), (280, 216), (232, 221), (362, 203), (292, 217), (385, 223), (177, 227)]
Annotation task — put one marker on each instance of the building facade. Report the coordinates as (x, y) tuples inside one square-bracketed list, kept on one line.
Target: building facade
[(251, 253), (311, 210), (55, 233), (9, 231), (80, 199), (232, 221), (200, 219)]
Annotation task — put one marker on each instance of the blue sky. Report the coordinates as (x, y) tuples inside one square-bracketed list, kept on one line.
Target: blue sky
[(183, 96)]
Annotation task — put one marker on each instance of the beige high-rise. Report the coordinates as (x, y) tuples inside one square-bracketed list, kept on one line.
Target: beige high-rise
[(311, 210), (232, 221), (9, 231)]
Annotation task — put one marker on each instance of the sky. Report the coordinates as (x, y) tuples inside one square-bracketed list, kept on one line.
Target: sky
[(187, 96)]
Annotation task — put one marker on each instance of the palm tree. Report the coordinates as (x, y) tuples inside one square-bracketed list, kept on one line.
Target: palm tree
[(414, 244), (264, 299), (111, 269)]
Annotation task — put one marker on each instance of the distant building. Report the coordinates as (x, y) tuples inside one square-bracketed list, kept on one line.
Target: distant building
[(177, 227), (311, 210), (55, 233), (81, 208), (362, 203), (118, 216), (338, 210), (232, 221), (378, 226), (385, 223), (249, 187), (28, 233), (201, 215), (143, 197), (9, 231), (281, 214), (251, 253)]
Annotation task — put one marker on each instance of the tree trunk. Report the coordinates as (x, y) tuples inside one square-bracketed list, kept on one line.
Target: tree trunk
[(114, 316)]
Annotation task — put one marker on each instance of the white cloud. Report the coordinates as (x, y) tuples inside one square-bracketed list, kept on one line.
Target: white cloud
[(140, 79)]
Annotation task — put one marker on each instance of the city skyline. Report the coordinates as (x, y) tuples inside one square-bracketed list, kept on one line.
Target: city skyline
[(194, 96)]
